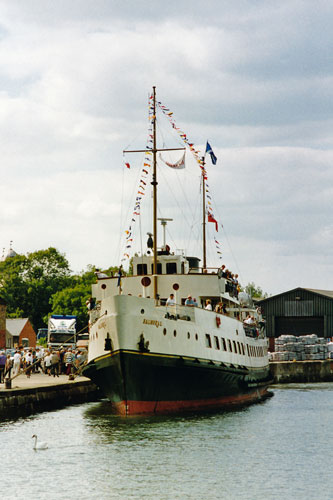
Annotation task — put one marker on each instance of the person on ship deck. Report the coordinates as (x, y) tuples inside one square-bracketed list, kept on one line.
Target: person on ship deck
[(218, 307), (171, 300), (208, 305), (189, 301)]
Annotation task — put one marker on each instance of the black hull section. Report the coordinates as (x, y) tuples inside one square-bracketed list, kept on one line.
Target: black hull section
[(152, 383)]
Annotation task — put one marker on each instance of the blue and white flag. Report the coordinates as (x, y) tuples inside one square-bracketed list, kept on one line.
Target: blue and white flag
[(211, 153)]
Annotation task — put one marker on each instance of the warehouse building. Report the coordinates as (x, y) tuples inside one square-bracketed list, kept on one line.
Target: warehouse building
[(302, 311)]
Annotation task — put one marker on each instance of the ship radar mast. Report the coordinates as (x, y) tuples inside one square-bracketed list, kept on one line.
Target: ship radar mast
[(164, 222)]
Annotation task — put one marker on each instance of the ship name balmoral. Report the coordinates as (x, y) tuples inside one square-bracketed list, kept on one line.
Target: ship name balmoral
[(152, 322)]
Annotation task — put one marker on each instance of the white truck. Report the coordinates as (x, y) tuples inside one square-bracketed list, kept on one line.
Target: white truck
[(61, 331)]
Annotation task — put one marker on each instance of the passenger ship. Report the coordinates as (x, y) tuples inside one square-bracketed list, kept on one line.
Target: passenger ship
[(148, 357)]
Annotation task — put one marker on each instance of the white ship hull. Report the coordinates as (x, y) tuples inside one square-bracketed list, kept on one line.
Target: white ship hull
[(150, 359)]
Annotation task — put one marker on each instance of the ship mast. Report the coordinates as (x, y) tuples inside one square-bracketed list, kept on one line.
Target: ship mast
[(204, 258), (154, 183)]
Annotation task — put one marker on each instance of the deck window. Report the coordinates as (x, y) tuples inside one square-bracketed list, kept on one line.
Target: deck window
[(208, 341), (159, 268), (224, 344), (141, 269), (247, 348), (229, 345), (239, 348), (217, 343), (243, 350), (235, 347), (171, 268)]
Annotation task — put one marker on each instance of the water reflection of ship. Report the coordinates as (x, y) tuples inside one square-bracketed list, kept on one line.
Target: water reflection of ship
[(148, 357)]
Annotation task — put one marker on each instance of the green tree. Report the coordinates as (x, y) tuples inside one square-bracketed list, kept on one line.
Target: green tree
[(255, 291), (28, 282)]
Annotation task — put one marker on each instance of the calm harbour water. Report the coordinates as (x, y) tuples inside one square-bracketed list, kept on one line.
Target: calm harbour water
[(279, 449)]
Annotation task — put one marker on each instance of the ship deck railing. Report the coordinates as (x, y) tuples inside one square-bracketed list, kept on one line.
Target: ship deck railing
[(177, 311)]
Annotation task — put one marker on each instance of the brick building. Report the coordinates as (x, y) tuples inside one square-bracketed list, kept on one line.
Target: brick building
[(15, 331), (19, 331)]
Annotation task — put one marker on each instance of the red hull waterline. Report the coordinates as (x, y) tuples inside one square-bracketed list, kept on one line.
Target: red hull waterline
[(162, 407)]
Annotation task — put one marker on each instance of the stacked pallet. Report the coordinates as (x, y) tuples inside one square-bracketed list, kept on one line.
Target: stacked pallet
[(305, 347)]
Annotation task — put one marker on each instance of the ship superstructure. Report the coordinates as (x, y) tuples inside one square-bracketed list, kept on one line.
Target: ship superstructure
[(150, 357)]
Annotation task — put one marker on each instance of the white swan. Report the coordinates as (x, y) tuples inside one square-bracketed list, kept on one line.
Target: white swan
[(39, 446)]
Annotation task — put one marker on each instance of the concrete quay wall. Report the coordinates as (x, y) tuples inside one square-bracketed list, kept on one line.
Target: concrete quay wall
[(287, 372), (31, 400)]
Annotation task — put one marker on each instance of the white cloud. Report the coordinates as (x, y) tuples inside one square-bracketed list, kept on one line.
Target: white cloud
[(256, 79)]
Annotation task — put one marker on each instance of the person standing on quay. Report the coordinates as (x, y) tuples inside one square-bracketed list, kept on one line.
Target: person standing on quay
[(48, 363), (17, 363), (2, 366), (55, 364), (68, 359), (28, 362), (8, 366)]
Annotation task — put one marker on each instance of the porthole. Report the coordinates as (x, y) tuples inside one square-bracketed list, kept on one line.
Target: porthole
[(188, 335), (142, 311), (174, 333), (164, 331), (103, 286), (105, 313), (196, 336)]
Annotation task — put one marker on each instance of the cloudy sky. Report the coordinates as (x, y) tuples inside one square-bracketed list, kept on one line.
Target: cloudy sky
[(253, 77)]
